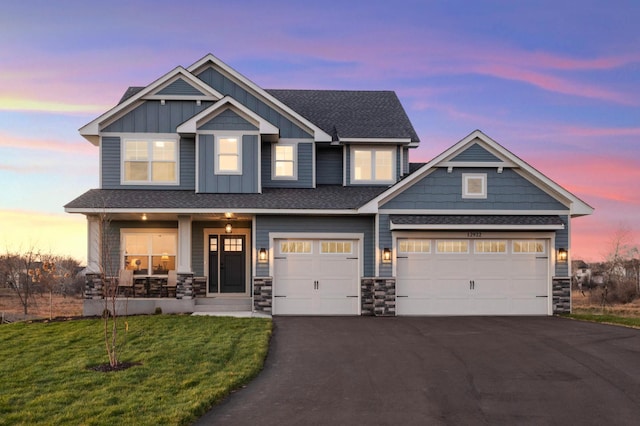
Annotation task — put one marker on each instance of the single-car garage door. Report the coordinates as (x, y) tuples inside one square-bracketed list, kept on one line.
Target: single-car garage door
[(316, 277), (472, 277)]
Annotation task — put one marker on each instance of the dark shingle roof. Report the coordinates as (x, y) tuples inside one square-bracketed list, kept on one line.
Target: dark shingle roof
[(324, 197), (475, 220), (351, 113), (131, 91)]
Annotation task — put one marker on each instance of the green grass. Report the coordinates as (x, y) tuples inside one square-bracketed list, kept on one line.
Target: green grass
[(187, 365), (607, 319)]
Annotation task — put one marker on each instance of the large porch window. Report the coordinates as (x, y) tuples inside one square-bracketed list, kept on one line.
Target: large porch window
[(150, 252)]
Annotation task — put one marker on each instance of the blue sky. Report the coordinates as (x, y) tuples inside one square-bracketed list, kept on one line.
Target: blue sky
[(555, 82)]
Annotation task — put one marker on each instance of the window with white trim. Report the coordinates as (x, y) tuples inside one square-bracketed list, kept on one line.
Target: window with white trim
[(474, 185), (373, 165), (528, 246), (228, 159), (150, 252), (484, 246), (453, 246), (284, 161), (150, 161), (413, 245), (335, 247)]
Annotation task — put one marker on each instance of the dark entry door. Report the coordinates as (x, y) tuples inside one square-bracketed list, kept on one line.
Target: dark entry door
[(232, 264)]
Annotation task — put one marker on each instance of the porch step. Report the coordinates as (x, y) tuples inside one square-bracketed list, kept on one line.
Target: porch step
[(214, 304)]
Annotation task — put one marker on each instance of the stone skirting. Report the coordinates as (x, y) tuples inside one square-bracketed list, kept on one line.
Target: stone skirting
[(262, 294), (93, 286), (561, 287), (378, 296)]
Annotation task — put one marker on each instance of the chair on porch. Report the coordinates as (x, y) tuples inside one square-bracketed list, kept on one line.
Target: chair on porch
[(125, 283), (171, 285)]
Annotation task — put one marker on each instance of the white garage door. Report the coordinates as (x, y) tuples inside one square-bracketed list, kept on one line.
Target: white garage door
[(472, 277), (316, 277)]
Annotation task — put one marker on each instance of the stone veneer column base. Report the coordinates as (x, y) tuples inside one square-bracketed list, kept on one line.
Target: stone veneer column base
[(378, 297), (262, 294), (184, 286), (561, 287), (93, 286)]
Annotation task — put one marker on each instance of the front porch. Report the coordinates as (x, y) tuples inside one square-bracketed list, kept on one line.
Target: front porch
[(190, 297)]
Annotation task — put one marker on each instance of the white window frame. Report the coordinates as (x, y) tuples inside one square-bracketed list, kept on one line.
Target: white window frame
[(216, 149), (294, 147), (149, 140), (467, 178), (149, 232), (373, 151)]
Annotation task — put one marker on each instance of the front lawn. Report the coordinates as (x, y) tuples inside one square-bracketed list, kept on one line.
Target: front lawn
[(187, 364), (608, 319)]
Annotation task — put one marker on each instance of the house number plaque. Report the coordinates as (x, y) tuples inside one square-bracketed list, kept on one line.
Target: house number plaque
[(474, 234)]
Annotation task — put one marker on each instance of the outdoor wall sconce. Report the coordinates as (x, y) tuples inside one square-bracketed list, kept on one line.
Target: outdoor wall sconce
[(562, 255), (386, 255), (262, 255), (228, 228), (144, 216)]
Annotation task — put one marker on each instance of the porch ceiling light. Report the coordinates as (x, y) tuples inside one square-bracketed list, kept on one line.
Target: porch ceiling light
[(144, 216), (386, 255), (228, 228)]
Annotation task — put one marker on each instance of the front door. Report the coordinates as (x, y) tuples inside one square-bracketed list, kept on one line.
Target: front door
[(227, 264)]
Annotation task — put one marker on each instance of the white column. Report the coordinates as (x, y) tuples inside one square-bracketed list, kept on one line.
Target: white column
[(184, 244), (93, 244)]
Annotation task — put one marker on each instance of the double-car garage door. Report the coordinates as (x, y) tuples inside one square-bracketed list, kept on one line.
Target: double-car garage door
[(472, 276)]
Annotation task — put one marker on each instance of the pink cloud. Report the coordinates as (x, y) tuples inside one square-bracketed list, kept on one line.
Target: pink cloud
[(75, 148)]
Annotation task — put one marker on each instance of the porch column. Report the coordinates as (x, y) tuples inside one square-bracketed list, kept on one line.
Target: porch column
[(184, 244), (93, 244)]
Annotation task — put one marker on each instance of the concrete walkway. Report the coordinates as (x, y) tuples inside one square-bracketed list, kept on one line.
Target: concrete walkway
[(441, 371)]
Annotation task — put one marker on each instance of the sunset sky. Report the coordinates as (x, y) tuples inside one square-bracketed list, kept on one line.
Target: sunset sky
[(555, 82)]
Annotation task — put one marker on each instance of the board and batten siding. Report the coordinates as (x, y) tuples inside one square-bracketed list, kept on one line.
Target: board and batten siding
[(304, 164), (227, 87), (111, 167), (475, 153), (315, 224), (209, 182), (180, 88), (152, 117), (562, 240), (385, 240), (227, 120), (442, 190), (329, 165)]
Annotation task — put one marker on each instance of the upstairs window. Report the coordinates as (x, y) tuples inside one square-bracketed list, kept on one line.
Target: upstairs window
[(371, 165), (284, 161), (150, 161), (228, 159)]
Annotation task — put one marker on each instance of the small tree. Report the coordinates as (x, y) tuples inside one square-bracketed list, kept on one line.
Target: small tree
[(21, 272)]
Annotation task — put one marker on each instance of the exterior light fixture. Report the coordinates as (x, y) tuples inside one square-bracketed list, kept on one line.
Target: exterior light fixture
[(228, 228), (144, 216), (386, 255), (562, 255), (262, 255)]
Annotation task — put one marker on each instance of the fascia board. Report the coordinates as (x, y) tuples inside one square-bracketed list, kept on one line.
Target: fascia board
[(319, 134), (319, 212), (191, 125), (444, 227), (93, 127), (397, 141)]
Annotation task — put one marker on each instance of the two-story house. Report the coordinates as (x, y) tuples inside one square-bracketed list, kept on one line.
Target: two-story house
[(304, 202)]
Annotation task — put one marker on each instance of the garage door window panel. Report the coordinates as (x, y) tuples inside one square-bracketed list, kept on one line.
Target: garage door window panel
[(335, 247), (453, 247), (490, 247), (528, 247), (295, 247), (414, 246)]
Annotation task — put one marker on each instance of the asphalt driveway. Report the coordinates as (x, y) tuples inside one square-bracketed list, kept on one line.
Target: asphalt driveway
[(441, 371)]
